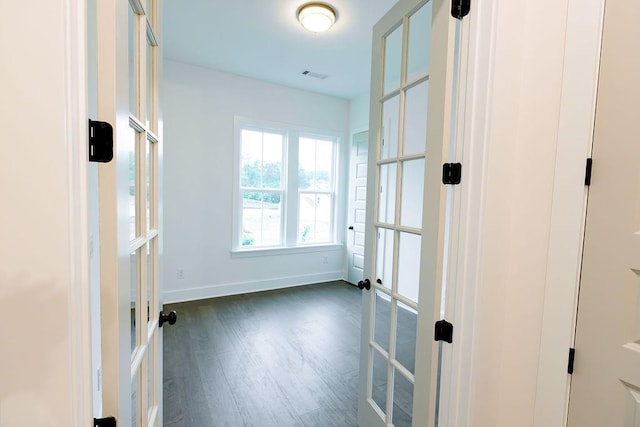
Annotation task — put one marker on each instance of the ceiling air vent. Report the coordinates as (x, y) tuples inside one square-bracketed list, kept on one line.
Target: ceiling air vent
[(315, 75)]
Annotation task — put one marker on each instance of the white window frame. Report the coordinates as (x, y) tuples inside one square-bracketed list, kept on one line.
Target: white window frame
[(289, 229)]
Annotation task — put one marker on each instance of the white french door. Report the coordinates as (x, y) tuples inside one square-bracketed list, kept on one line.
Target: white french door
[(605, 386), (128, 61), (410, 121), (357, 206)]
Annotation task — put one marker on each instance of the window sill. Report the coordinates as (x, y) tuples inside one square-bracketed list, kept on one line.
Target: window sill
[(248, 253)]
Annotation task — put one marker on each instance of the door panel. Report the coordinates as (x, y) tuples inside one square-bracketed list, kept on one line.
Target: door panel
[(605, 388), (357, 206), (129, 59), (405, 213)]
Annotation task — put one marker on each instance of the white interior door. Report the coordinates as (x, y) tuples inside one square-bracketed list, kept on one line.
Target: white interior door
[(357, 205), (605, 388), (128, 75), (412, 69)]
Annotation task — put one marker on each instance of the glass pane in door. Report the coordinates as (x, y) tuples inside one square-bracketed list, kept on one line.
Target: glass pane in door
[(384, 258), (409, 265), (379, 380), (406, 327), (132, 55), (135, 400), (151, 378), (148, 172), (382, 320), (392, 60), (415, 119), (134, 293), (402, 400), (412, 193), (150, 251), (390, 126), (130, 147), (419, 48), (387, 196), (149, 78)]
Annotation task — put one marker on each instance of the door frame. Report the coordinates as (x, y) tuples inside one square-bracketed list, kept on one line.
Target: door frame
[(77, 154)]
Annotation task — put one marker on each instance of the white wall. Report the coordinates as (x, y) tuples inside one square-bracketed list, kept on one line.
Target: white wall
[(359, 114), (43, 280), (199, 107)]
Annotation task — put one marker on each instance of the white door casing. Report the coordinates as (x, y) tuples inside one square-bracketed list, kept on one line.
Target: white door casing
[(605, 387), (128, 78), (357, 206), (405, 225)]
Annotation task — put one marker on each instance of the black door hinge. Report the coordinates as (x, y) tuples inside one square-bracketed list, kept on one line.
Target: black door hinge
[(443, 331), (572, 355), (104, 422), (587, 174), (460, 8), (451, 173), (100, 141)]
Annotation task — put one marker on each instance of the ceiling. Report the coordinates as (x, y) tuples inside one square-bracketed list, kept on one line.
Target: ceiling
[(262, 39)]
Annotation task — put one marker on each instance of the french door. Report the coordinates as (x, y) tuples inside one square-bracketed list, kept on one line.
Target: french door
[(128, 61), (605, 386), (410, 121)]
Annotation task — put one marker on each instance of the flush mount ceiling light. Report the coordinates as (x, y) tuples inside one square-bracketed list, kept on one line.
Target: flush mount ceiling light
[(316, 17)]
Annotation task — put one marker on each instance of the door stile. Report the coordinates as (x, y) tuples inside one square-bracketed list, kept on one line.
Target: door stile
[(114, 266)]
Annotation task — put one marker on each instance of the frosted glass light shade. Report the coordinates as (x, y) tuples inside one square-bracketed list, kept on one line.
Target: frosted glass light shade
[(316, 17)]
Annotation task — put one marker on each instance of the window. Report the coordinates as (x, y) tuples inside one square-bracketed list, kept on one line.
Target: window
[(315, 190), (285, 187), (261, 165)]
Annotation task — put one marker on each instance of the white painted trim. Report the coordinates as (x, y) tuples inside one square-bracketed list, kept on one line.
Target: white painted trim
[(237, 288), (261, 252), (575, 135), (159, 87), (478, 39), (353, 132), (76, 122)]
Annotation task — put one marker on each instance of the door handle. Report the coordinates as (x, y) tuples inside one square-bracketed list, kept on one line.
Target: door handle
[(364, 284), (351, 227), (170, 318)]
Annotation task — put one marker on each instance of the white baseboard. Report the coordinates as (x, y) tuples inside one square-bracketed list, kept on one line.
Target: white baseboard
[(225, 289)]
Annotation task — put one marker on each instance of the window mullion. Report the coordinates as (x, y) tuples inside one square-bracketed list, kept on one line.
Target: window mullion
[(291, 189)]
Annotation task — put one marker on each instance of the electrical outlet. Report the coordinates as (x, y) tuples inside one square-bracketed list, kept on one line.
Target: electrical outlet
[(180, 273), (325, 260)]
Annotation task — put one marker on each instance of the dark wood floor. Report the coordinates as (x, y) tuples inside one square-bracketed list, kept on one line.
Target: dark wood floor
[(278, 358)]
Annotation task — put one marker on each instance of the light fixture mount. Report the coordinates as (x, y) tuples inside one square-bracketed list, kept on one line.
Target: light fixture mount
[(317, 17)]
